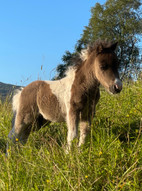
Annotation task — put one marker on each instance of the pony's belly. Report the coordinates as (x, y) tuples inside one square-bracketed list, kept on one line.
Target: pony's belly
[(53, 118)]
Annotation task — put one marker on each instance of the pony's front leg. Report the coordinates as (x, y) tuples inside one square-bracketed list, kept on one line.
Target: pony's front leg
[(72, 123), (84, 129)]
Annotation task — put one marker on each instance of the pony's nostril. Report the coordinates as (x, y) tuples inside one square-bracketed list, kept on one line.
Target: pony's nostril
[(118, 84), (117, 89)]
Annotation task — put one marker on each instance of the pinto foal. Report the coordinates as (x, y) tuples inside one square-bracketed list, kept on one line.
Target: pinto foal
[(71, 99)]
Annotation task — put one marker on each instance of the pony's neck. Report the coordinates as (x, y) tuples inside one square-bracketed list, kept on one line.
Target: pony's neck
[(85, 77)]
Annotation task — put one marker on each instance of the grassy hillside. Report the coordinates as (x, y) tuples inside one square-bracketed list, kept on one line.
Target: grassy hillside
[(110, 160), (6, 90)]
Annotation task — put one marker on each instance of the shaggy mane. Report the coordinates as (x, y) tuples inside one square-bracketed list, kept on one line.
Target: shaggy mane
[(81, 57), (85, 53)]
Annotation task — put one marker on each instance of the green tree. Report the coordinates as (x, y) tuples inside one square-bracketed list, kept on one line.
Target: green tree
[(61, 68), (117, 20)]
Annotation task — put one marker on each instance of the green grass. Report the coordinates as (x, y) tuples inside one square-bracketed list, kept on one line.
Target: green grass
[(110, 160)]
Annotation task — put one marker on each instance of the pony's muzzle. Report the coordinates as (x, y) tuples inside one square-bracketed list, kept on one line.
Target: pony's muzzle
[(116, 87)]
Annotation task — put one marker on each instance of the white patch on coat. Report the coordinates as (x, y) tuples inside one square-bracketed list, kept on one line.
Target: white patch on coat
[(62, 89), (16, 100)]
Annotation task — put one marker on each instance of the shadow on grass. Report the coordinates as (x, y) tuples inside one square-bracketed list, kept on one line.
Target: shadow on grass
[(130, 132), (50, 135), (126, 131), (3, 143), (56, 133)]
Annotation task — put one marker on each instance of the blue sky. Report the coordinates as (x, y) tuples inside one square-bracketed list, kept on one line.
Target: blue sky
[(35, 33)]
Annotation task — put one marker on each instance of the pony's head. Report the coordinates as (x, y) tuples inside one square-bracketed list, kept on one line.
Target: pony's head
[(105, 66)]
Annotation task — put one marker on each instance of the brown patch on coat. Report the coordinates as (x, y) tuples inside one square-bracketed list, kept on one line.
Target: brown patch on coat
[(84, 102), (35, 98), (28, 109), (48, 104), (85, 92), (27, 113), (85, 89)]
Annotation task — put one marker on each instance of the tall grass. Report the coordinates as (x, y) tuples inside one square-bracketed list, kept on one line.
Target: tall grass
[(111, 158)]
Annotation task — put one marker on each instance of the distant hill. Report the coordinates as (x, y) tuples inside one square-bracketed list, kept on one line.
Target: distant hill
[(7, 90)]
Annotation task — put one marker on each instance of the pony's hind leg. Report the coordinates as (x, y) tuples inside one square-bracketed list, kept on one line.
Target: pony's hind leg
[(20, 130), (15, 137), (12, 135), (23, 136)]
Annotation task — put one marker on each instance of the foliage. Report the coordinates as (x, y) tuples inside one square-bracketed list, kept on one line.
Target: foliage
[(117, 20), (61, 68), (111, 159)]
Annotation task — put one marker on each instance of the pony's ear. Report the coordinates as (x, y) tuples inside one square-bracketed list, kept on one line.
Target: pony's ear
[(113, 46)]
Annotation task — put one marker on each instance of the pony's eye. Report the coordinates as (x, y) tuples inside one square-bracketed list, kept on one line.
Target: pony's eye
[(104, 67)]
